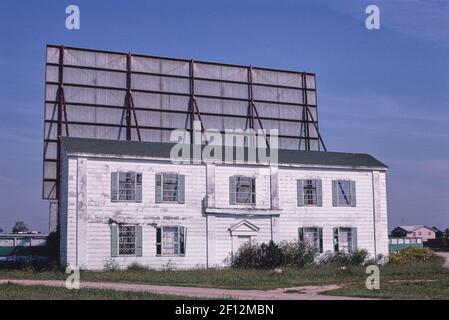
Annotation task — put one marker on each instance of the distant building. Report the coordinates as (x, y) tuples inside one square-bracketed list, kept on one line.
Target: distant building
[(423, 232), (397, 244), (15, 246)]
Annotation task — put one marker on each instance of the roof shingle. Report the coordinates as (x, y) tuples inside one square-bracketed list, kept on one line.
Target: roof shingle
[(162, 150)]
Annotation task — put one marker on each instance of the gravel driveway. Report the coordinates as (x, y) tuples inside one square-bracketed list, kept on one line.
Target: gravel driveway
[(300, 293)]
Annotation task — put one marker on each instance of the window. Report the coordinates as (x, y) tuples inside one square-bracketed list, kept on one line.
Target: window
[(344, 193), (242, 190), (345, 239), (170, 187), (309, 192), (170, 241), (126, 187), (126, 240), (313, 236)]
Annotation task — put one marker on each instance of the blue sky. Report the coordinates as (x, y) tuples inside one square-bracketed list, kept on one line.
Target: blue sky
[(384, 91)]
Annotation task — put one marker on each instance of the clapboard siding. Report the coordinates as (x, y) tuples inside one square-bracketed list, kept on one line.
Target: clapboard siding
[(99, 247), (327, 216), (86, 210), (222, 175), (68, 211), (63, 211), (382, 217), (223, 244)]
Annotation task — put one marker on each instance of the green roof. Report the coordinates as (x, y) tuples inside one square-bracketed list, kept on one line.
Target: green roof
[(162, 150)]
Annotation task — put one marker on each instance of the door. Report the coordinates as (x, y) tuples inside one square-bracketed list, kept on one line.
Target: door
[(242, 240)]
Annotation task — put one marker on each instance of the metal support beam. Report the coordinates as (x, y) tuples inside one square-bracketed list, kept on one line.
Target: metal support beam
[(193, 106), (62, 112), (320, 139), (250, 118), (305, 129), (130, 109), (128, 101), (252, 109)]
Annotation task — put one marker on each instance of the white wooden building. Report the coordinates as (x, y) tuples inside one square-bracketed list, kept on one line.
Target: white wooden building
[(127, 202)]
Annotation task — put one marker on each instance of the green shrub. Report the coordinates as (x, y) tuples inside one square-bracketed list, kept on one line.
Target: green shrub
[(294, 254), (356, 257), (272, 255), (298, 254), (136, 267), (111, 265), (380, 260), (408, 255), (258, 256), (30, 266)]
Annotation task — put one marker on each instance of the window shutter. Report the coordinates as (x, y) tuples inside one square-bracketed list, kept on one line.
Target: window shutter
[(336, 247), (300, 192), (182, 240), (353, 194), (354, 238), (138, 187), (158, 188), (138, 241), (320, 238), (335, 193), (301, 234), (232, 186), (253, 184), (114, 191), (158, 241), (319, 193), (114, 240), (181, 189)]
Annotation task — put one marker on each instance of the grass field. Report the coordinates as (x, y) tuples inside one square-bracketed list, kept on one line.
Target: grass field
[(351, 278), (18, 292), (398, 290)]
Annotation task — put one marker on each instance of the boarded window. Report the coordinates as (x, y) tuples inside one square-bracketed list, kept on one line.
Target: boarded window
[(170, 241), (344, 193), (310, 192)]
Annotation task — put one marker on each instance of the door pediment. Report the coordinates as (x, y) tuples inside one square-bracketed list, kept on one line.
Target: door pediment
[(244, 228)]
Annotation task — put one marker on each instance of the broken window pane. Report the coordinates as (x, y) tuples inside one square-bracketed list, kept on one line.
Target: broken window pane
[(344, 192)]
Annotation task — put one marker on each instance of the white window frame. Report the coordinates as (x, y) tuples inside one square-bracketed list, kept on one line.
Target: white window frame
[(161, 243), (136, 177), (252, 193), (346, 202), (349, 241), (163, 176), (314, 195), (319, 243)]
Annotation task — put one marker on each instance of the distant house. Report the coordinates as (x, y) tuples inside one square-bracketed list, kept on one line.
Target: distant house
[(423, 232)]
